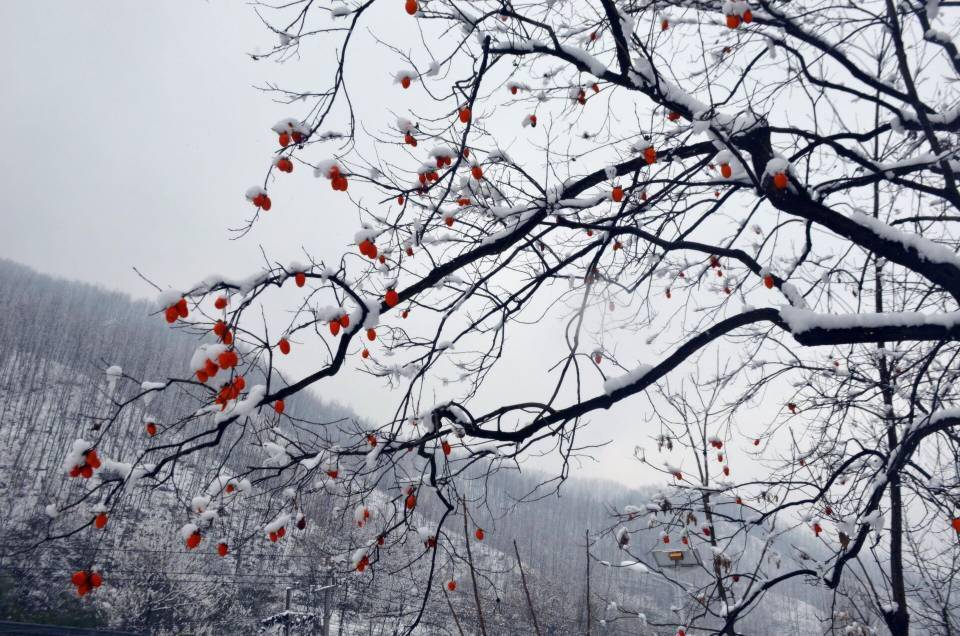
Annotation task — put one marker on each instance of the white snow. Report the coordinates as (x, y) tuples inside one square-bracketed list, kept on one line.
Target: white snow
[(801, 320), (619, 382)]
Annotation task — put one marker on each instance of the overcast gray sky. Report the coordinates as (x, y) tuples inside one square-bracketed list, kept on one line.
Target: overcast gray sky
[(132, 129)]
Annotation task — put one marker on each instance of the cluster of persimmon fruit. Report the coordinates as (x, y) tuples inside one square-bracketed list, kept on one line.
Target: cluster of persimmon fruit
[(735, 20), (91, 461), (230, 391), (225, 361), (86, 581), (262, 201), (177, 310)]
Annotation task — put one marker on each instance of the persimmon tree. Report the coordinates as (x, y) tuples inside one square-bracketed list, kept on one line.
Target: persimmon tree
[(756, 199)]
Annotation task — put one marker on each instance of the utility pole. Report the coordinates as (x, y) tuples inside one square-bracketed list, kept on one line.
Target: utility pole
[(589, 617), (286, 616), (327, 595), (473, 573)]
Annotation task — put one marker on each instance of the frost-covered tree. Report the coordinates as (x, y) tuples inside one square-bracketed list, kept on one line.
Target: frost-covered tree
[(756, 200)]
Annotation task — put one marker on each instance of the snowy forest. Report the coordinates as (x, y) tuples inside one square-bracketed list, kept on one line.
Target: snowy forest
[(158, 586), (555, 317)]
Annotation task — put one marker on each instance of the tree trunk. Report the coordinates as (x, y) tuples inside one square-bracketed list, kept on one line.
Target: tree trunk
[(473, 574), (526, 590)]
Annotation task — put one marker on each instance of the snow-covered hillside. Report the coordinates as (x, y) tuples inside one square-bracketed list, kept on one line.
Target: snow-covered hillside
[(57, 339)]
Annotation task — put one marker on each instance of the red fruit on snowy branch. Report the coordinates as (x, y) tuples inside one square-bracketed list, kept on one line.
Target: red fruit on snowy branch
[(391, 298), (222, 549), (367, 248), (228, 359), (300, 279), (284, 346), (262, 201), (780, 181), (177, 310), (151, 429), (334, 327), (452, 585), (284, 165), (100, 521), (411, 7), (617, 194), (279, 406), (465, 115), (194, 540), (210, 368)]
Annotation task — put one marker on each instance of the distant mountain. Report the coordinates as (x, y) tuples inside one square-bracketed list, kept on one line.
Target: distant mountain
[(56, 339)]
